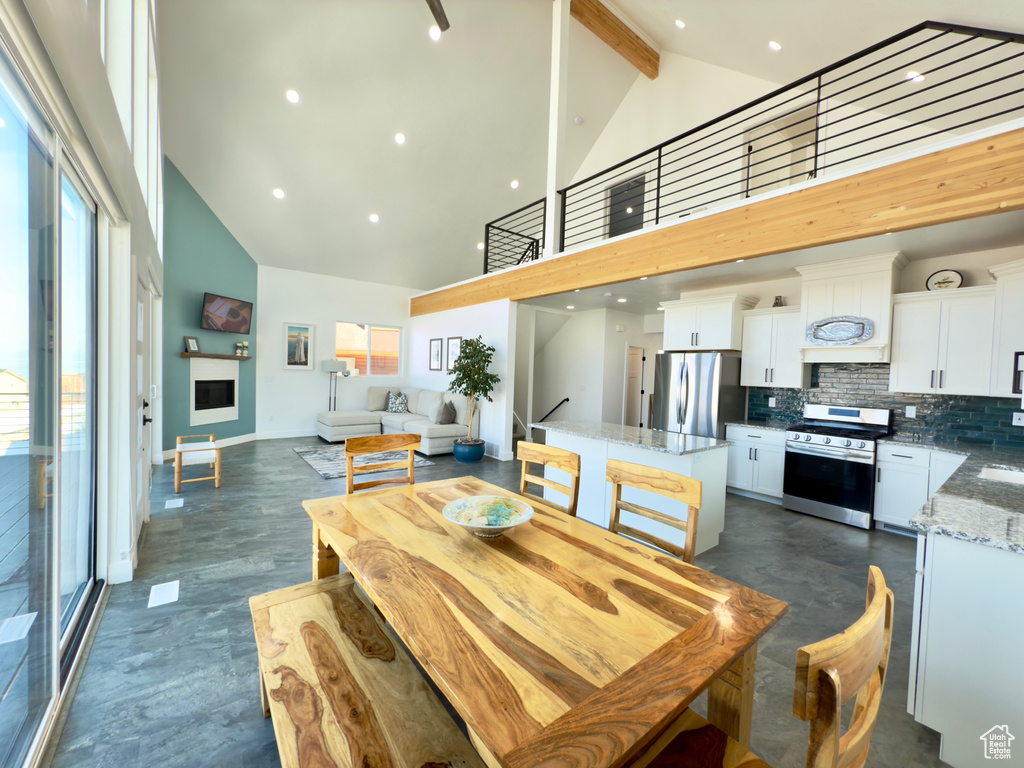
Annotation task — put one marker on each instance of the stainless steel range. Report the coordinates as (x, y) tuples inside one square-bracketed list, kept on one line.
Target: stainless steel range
[(830, 462)]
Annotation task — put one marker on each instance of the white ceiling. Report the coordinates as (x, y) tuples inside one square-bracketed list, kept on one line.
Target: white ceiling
[(473, 106)]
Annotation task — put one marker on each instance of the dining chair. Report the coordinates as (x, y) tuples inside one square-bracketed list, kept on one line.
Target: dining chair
[(828, 674), (362, 446), (680, 488), (558, 458), (191, 453)]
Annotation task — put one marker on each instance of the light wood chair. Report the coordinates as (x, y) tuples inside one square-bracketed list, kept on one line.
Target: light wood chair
[(680, 488), (828, 674), (360, 446), (186, 454), (567, 461)]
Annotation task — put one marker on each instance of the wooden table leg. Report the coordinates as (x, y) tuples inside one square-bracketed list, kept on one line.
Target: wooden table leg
[(325, 561), (731, 698)]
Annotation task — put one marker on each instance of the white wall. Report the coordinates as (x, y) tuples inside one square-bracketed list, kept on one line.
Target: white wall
[(287, 401), (973, 266), (624, 330), (571, 365), (523, 388), (495, 323)]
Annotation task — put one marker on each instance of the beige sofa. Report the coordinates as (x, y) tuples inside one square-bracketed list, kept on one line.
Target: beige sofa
[(333, 426)]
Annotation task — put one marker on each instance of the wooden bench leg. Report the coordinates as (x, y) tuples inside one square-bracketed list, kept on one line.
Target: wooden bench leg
[(325, 561), (731, 698), (177, 472), (216, 469)]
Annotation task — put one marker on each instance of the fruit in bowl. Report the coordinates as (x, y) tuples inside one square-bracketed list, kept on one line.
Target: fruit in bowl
[(488, 516)]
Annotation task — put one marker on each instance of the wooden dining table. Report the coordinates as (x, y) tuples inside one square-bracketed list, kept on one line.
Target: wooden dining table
[(558, 643)]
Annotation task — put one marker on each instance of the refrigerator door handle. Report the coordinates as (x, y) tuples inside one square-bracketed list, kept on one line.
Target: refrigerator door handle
[(684, 393)]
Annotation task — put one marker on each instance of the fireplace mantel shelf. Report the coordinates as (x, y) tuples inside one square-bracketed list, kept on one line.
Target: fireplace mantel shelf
[(216, 357)]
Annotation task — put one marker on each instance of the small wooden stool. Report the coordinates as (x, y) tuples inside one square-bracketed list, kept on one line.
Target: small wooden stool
[(207, 452)]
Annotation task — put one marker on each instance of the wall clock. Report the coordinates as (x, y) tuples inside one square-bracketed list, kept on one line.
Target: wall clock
[(944, 279)]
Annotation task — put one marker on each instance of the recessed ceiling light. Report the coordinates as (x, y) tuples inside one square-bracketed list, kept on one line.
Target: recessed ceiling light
[(774, 46), (608, 293), (577, 290), (738, 261), (661, 309), (399, 138), (279, 193), (570, 306), (292, 96), (643, 278), (629, 210), (578, 120), (479, 246), (374, 218), (915, 77), (515, 184), (680, 23), (435, 33), (621, 301)]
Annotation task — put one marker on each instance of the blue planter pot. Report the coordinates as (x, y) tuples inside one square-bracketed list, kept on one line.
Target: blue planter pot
[(469, 454)]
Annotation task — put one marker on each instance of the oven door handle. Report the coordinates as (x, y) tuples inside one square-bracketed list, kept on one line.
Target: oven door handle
[(831, 453)]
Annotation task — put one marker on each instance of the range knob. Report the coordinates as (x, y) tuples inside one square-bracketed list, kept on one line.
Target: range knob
[(847, 443), (862, 444), (827, 440), (807, 438)]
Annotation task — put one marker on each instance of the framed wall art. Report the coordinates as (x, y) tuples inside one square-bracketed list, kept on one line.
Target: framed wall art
[(298, 346), (192, 345), (436, 351), (454, 346)]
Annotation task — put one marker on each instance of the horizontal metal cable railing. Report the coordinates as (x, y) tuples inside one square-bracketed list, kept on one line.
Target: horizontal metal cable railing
[(515, 238), (929, 83)]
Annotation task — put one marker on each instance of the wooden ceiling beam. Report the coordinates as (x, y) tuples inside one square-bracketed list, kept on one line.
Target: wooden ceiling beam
[(611, 29), (981, 178)]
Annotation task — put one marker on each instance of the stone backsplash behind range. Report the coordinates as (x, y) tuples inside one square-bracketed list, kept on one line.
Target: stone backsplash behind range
[(980, 420)]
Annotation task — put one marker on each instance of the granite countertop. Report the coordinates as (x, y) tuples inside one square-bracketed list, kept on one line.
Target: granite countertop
[(988, 512), (774, 426), (651, 439)]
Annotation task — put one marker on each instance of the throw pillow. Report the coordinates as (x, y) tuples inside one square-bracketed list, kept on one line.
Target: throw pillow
[(436, 410), (447, 415), (398, 403)]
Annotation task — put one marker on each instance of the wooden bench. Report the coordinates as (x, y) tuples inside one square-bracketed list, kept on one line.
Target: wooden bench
[(340, 688)]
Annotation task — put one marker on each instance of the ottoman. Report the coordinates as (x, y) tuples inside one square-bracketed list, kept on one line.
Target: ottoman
[(333, 426)]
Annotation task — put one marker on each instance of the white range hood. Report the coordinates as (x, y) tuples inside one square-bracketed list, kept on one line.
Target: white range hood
[(846, 308)]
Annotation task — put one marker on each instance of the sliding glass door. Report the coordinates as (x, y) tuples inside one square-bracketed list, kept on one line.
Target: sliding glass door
[(47, 415)]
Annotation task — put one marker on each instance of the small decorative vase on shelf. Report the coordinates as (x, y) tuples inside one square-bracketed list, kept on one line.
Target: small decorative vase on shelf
[(245, 349)]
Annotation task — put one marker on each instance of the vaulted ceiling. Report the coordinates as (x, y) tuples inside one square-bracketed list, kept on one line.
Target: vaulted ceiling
[(473, 107)]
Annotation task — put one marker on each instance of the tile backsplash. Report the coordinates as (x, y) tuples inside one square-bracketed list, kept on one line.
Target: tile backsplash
[(982, 420)]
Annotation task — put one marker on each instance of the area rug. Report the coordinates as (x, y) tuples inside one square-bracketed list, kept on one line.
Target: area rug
[(329, 460)]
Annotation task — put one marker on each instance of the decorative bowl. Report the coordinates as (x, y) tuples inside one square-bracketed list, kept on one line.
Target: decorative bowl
[(487, 516)]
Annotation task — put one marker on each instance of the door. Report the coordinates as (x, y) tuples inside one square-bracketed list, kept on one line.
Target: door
[(680, 327), (701, 379), (626, 207), (787, 366), (915, 347), (900, 492), (714, 326), (768, 470), (757, 345), (668, 413), (143, 472), (965, 358), (740, 473), (634, 386)]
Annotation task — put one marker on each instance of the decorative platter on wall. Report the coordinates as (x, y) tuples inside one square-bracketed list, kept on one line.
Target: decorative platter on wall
[(840, 331), (944, 279)]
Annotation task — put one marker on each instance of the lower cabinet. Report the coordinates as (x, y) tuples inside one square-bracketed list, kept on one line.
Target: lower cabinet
[(906, 477), (756, 460)]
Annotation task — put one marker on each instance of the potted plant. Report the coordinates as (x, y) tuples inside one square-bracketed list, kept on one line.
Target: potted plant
[(471, 378)]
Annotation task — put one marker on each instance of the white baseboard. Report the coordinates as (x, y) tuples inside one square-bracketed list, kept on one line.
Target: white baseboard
[(755, 495), (122, 571), (223, 442), (286, 433)]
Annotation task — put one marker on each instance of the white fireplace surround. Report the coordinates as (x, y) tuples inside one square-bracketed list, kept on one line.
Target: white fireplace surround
[(206, 369)]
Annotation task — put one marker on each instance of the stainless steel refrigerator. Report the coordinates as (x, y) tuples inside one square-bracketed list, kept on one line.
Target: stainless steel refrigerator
[(697, 392)]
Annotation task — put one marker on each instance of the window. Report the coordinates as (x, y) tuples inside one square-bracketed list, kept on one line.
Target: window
[(379, 344)]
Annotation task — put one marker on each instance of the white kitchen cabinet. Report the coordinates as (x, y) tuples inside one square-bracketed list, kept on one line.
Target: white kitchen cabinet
[(860, 287), (1008, 350), (705, 323), (771, 349), (942, 343), (906, 477), (756, 460)]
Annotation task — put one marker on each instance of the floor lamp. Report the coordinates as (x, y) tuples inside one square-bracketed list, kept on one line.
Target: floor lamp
[(334, 367)]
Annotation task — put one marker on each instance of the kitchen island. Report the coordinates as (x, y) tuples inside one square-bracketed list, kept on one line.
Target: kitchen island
[(967, 607), (702, 458)]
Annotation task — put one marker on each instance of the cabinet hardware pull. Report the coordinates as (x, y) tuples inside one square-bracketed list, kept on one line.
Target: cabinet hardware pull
[(756, 437), (878, 474), (942, 377), (772, 376), (750, 454), (697, 342), (755, 454), (766, 375), (902, 456), (692, 342), (932, 384)]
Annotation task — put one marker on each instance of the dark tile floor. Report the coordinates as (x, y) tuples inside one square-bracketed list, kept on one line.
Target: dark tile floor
[(176, 685)]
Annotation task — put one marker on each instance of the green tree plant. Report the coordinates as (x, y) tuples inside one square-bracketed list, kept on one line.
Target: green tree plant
[(471, 377)]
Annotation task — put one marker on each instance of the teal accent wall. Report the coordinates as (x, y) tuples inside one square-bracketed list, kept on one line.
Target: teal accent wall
[(201, 255)]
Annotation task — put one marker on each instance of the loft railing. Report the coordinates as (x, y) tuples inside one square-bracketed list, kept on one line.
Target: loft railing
[(929, 83), (515, 238)]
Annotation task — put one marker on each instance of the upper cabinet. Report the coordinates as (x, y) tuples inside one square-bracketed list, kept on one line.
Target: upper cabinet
[(771, 349), (1008, 352), (854, 290), (942, 342), (706, 323)]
